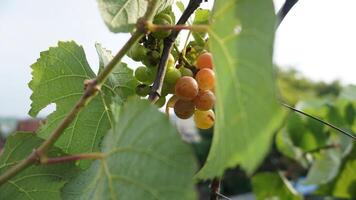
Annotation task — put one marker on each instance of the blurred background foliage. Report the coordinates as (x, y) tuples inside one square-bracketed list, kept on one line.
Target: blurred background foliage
[(308, 159)]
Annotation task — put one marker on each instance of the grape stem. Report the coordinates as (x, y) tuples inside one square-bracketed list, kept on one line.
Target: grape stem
[(156, 89), (49, 160), (92, 87), (215, 189), (196, 28)]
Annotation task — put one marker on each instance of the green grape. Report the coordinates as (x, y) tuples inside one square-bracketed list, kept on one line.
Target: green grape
[(137, 52), (167, 89), (162, 19), (142, 74), (142, 90), (170, 61), (172, 75), (185, 71), (184, 109), (161, 101), (205, 100), (204, 119), (151, 75), (186, 88)]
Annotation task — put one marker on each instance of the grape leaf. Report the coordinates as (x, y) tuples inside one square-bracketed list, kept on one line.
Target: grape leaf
[(121, 80), (58, 77), (145, 159), (273, 186), (36, 182), (122, 15), (247, 113), (324, 168), (201, 17)]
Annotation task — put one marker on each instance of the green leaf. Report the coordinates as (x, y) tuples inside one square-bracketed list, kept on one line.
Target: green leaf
[(286, 146), (180, 6), (36, 182), (122, 79), (201, 17), (241, 40), (325, 168), (145, 159), (273, 186), (122, 15), (58, 77)]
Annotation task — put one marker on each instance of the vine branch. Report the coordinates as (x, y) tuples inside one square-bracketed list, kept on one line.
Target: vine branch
[(155, 92), (70, 158), (92, 87), (215, 189)]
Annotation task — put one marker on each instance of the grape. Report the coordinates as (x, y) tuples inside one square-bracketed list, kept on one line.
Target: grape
[(205, 100), (162, 19), (204, 119), (161, 101), (184, 109), (186, 88), (205, 60), (142, 74), (142, 90), (171, 61), (137, 52), (206, 79), (151, 75), (172, 75), (167, 89), (185, 71)]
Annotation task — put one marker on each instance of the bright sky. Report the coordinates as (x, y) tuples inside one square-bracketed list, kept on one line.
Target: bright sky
[(318, 38)]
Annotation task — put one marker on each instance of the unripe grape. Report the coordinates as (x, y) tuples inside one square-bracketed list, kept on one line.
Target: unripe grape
[(184, 109), (172, 75), (170, 61), (205, 100), (204, 119), (151, 75), (185, 71), (137, 52), (205, 60), (142, 90), (167, 89), (161, 101), (206, 79), (162, 19), (186, 88), (141, 74)]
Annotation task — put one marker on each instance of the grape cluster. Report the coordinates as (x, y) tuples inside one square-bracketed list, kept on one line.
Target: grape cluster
[(194, 96), (191, 86)]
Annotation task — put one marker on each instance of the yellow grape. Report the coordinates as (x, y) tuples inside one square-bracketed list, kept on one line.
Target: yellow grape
[(204, 119)]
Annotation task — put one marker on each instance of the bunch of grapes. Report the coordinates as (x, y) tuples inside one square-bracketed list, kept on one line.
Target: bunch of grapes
[(194, 93), (191, 86)]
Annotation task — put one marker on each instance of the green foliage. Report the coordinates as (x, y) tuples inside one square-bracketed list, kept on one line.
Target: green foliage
[(121, 80), (201, 17), (241, 38), (273, 186), (58, 77), (122, 15), (148, 161), (35, 182)]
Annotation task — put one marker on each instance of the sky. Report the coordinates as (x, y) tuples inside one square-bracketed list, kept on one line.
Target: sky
[(317, 38)]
